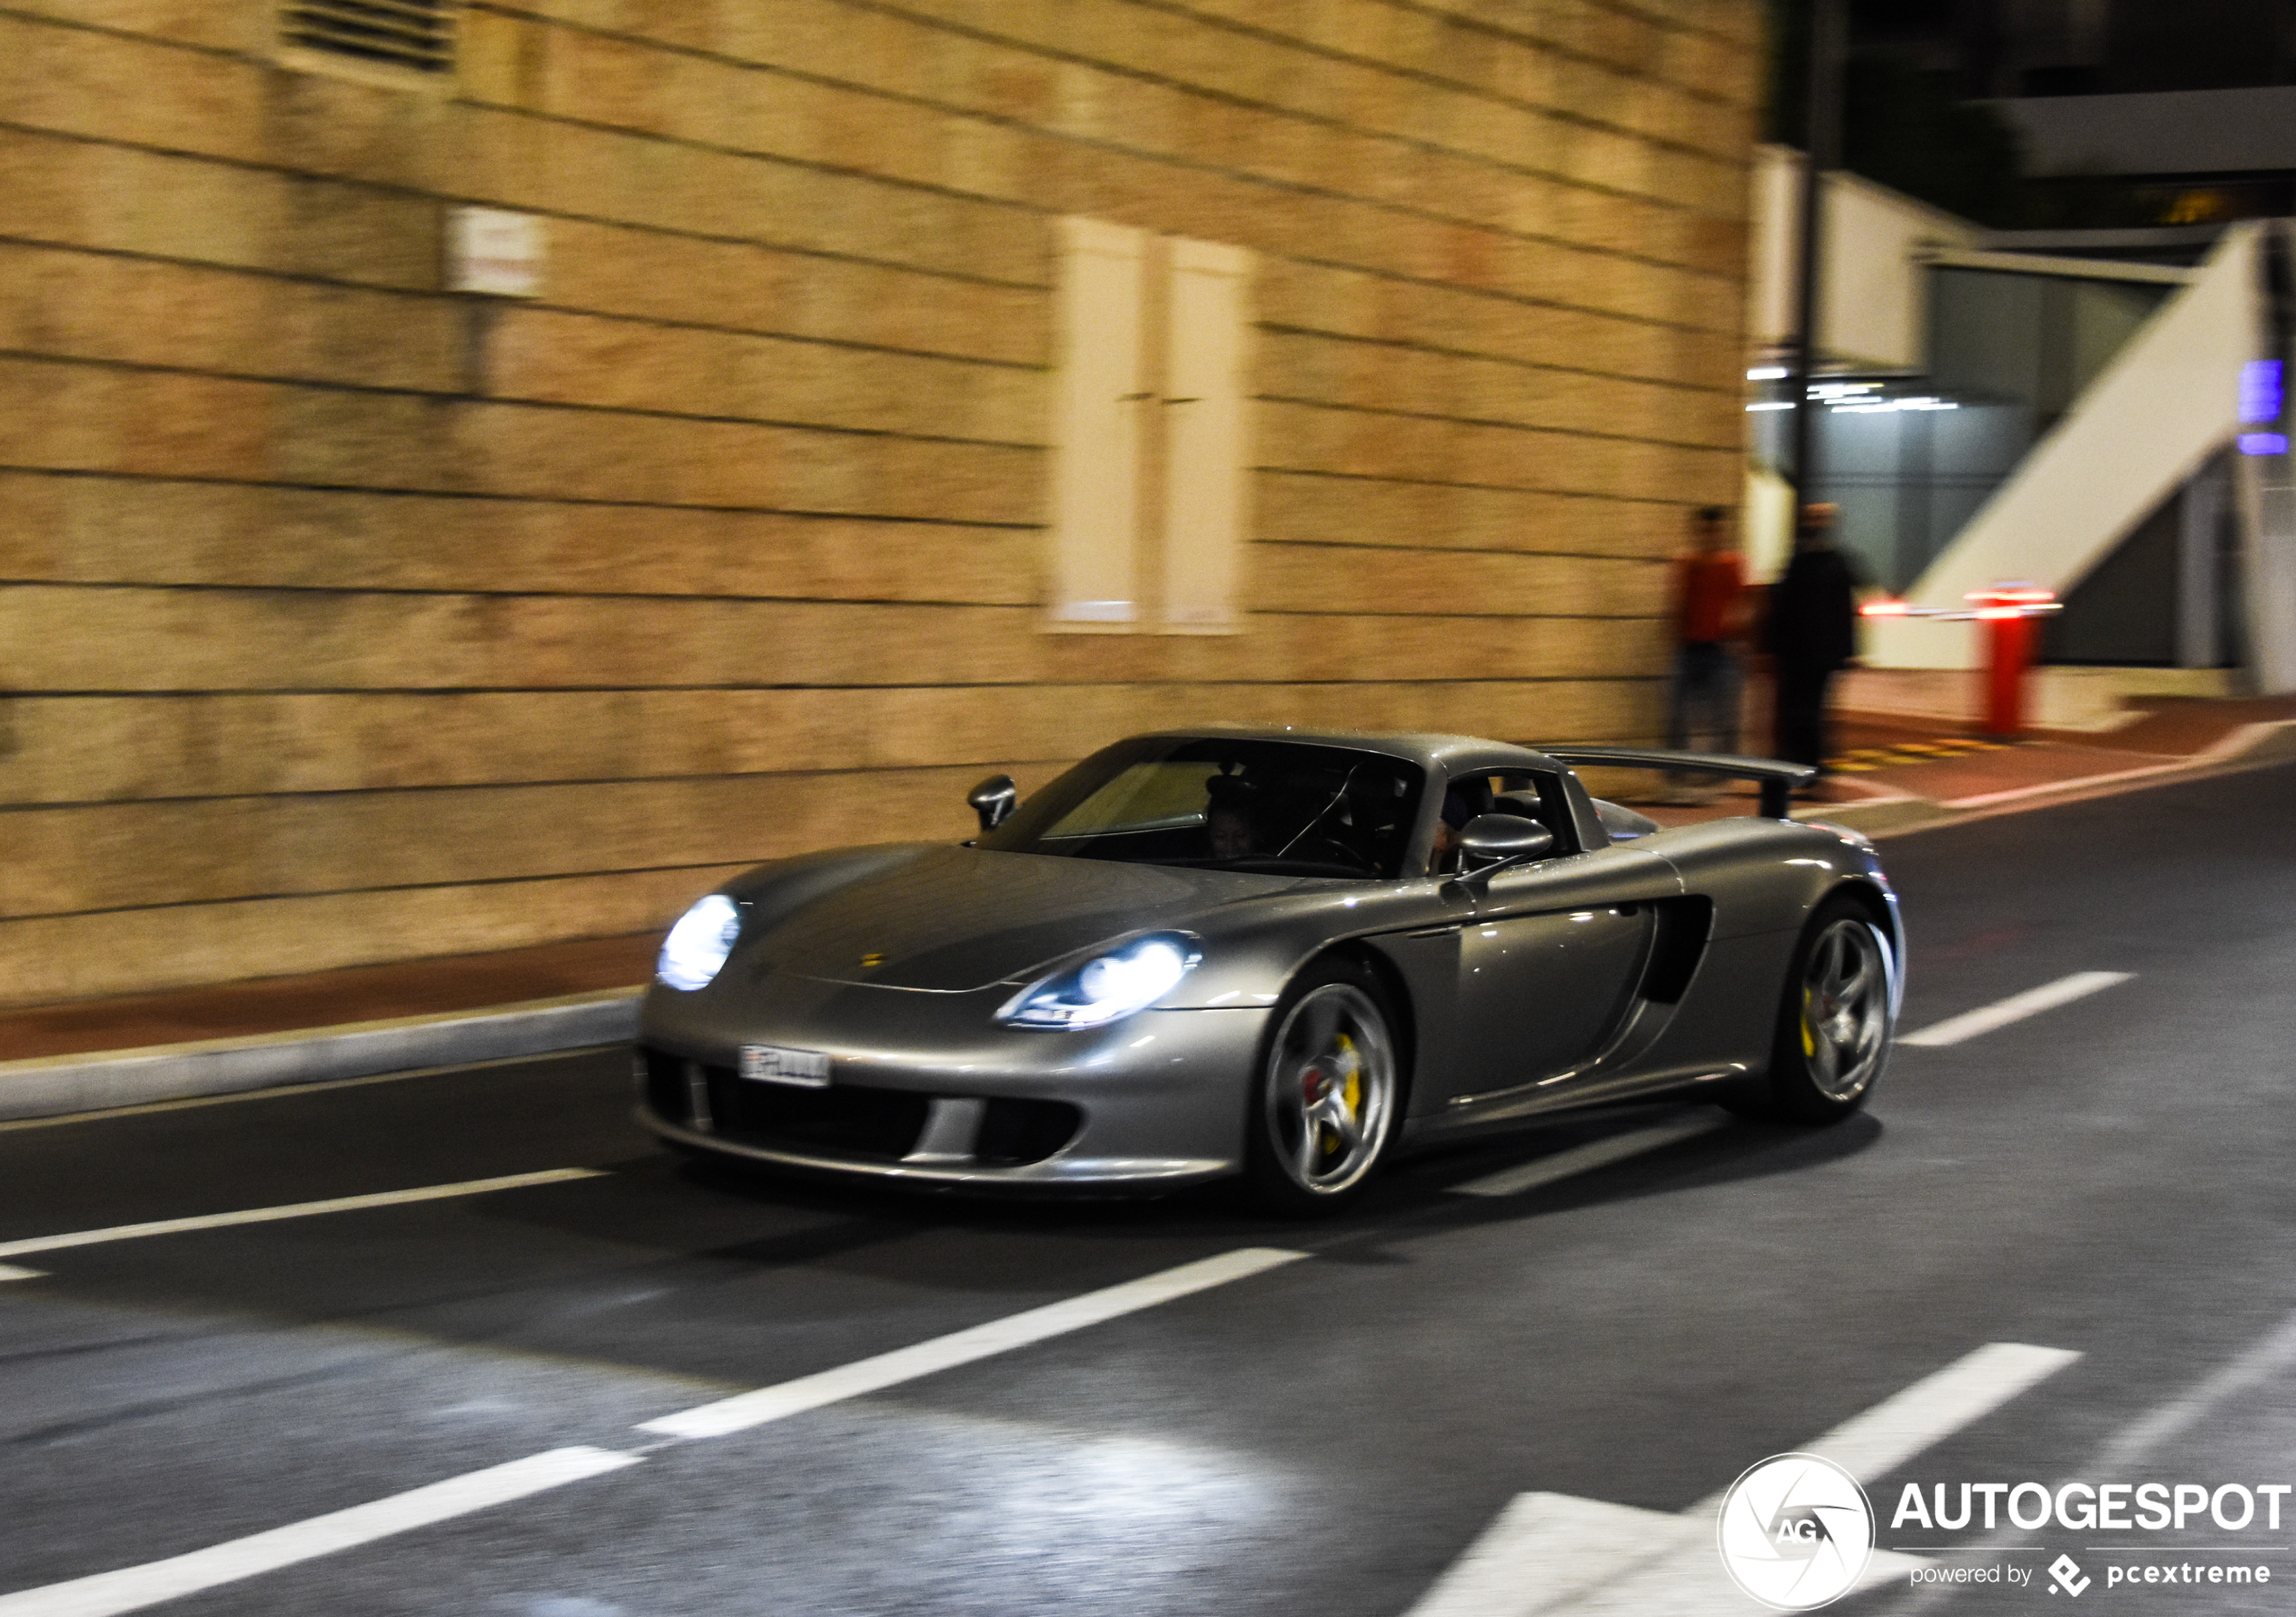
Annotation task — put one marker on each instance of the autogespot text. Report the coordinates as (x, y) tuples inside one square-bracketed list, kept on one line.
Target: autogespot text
[(2102, 1507)]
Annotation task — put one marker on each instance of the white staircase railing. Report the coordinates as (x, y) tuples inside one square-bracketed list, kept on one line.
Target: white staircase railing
[(2167, 402)]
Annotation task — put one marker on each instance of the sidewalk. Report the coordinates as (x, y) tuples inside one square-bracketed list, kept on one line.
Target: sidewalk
[(1893, 776), (97, 1054)]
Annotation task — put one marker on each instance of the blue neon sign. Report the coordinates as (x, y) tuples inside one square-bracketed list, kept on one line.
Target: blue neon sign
[(2260, 391)]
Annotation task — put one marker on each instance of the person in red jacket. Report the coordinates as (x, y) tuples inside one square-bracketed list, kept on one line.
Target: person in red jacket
[(1709, 589)]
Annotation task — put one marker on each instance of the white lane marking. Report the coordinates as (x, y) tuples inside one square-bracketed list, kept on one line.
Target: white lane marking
[(300, 1209), (2265, 1361), (131, 1588), (744, 1410), (1934, 1408), (2015, 1009), (11, 1272), (1549, 1553), (1583, 1158), (1549, 1549)]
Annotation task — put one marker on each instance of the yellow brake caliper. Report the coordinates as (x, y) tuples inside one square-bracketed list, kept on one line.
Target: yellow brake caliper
[(1808, 1039), (1350, 1092)]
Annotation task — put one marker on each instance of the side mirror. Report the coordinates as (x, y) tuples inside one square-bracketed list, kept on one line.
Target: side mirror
[(1489, 841), (994, 799)]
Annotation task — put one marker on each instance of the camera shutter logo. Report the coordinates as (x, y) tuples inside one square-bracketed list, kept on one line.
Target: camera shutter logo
[(1795, 1532)]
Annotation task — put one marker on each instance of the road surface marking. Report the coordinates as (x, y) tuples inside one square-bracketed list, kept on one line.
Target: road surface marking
[(1934, 1408), (11, 1272), (2015, 1009), (744, 1410), (2265, 1361), (1583, 1158), (1549, 1553), (300, 1209), (2135, 1444), (131, 1588)]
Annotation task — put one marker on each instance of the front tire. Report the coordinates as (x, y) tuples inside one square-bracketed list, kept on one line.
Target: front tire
[(1328, 1094), (1834, 1021)]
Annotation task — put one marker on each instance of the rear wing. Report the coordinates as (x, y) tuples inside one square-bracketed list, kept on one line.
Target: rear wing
[(1779, 780)]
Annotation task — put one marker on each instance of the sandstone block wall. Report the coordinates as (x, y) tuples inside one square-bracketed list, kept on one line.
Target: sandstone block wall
[(344, 620)]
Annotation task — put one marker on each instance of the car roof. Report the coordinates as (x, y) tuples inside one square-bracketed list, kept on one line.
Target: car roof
[(1440, 754)]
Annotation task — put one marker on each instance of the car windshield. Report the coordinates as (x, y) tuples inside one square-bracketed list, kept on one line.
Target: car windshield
[(1277, 807)]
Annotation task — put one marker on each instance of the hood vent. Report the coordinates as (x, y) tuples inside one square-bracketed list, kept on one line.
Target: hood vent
[(414, 35)]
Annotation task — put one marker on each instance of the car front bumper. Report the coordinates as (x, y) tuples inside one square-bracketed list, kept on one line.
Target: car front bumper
[(928, 1088)]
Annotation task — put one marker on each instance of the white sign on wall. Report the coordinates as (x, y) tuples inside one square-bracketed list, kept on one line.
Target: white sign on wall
[(493, 251)]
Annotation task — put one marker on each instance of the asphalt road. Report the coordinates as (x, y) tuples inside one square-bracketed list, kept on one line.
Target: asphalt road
[(1324, 1435)]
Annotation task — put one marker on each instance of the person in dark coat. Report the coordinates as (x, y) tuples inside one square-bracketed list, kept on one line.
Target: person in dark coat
[(1811, 630)]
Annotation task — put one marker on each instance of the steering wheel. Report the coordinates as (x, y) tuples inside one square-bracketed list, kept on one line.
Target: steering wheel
[(1330, 850)]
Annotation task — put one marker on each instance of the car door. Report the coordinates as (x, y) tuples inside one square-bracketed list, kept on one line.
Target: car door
[(1548, 966)]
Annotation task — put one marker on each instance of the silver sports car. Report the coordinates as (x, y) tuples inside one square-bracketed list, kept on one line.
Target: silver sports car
[(1271, 953)]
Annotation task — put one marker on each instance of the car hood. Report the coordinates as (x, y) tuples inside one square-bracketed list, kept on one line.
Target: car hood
[(954, 919)]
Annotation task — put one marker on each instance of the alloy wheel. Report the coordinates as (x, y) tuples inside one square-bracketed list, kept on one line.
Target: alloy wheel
[(1845, 1009), (1330, 1088)]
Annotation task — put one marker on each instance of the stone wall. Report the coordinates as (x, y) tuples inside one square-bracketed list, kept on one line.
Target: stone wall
[(344, 620)]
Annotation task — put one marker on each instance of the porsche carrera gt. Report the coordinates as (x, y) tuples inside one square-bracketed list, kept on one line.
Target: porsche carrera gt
[(1276, 953)]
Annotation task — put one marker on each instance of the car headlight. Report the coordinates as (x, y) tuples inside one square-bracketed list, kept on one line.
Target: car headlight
[(1106, 988), (698, 945)]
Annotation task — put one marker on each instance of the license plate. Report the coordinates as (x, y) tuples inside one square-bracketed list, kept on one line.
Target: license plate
[(770, 1063)]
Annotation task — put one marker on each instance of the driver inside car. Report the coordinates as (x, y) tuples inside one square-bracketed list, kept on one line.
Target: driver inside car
[(1228, 823), (1443, 858)]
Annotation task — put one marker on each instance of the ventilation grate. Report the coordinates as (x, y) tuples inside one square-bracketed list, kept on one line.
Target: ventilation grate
[(403, 34)]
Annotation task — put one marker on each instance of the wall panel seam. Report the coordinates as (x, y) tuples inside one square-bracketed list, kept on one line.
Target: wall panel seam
[(1183, 682), (1501, 488), (543, 305), (538, 783), (1351, 544), (1141, 154), (415, 193), (1733, 392), (1731, 335), (1688, 92), (387, 592), (403, 591), (1457, 87), (1496, 423), (43, 19), (403, 887), (1657, 20), (501, 401), (1727, 276), (370, 491)]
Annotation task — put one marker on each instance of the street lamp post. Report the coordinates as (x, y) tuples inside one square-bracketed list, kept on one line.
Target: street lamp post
[(1828, 29)]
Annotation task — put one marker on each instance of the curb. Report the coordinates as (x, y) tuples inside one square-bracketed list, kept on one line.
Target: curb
[(55, 1086), (1881, 816), (2251, 746)]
